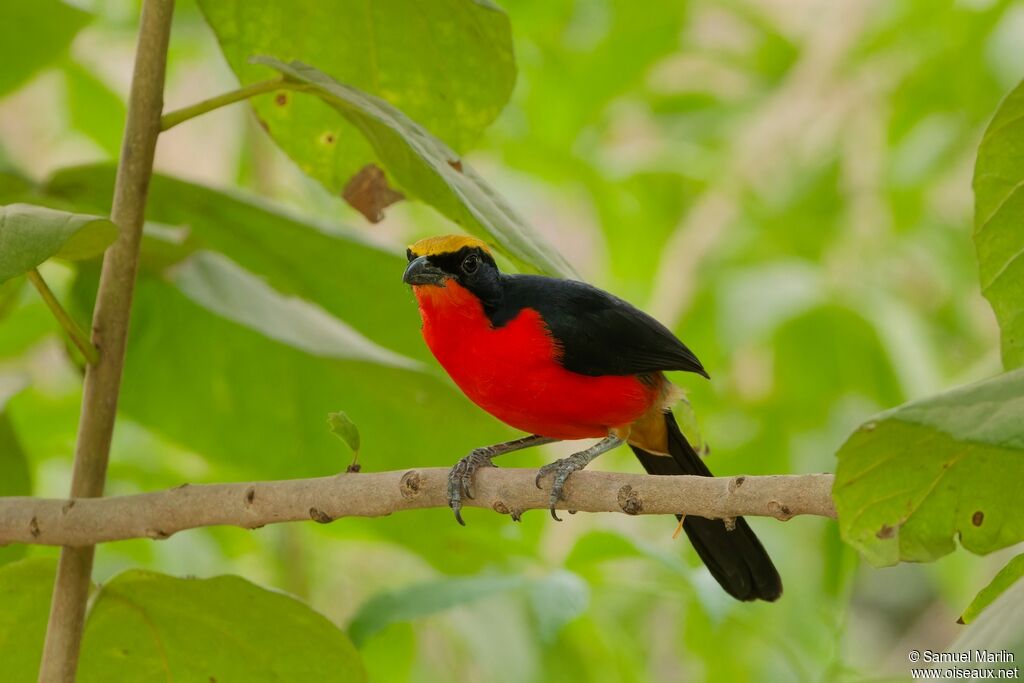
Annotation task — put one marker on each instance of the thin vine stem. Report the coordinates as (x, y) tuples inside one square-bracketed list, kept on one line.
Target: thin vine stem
[(77, 335), (172, 119)]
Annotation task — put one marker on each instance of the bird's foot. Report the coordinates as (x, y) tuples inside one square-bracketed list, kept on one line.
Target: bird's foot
[(460, 479), (561, 469)]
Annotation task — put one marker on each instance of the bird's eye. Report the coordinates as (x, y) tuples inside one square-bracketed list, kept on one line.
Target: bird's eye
[(470, 264), (410, 255)]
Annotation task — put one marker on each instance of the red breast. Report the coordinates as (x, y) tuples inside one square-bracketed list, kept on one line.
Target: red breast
[(513, 372)]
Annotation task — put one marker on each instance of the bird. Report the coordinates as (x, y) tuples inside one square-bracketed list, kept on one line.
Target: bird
[(562, 360)]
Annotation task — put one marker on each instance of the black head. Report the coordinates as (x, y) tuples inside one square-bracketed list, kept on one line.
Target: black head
[(435, 261)]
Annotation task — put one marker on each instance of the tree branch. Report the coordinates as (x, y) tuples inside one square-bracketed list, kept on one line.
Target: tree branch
[(158, 515), (109, 332)]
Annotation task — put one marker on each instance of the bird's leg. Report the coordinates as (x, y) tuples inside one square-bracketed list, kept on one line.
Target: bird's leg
[(575, 462), (460, 479)]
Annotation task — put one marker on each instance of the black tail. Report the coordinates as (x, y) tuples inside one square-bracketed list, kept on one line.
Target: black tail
[(735, 558)]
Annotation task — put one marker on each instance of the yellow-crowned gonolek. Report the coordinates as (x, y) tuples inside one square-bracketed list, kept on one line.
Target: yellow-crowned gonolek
[(560, 359)]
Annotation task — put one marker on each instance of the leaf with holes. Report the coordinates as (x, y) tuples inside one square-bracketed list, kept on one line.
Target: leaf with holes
[(148, 626), (447, 63), (428, 169), (31, 234), (916, 477), (998, 217), (368, 193)]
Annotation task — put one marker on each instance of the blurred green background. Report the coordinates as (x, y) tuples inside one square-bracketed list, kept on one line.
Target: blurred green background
[(785, 184)]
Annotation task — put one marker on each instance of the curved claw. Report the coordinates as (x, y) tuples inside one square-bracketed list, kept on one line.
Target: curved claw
[(455, 499), (556, 489), (460, 480), (544, 471), (561, 469)]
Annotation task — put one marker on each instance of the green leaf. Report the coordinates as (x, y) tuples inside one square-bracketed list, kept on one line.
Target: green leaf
[(998, 216), (10, 293), (999, 627), (31, 234), (428, 169), (423, 599), (34, 34), (219, 285), (596, 547), (600, 546), (25, 318), (344, 428), (847, 356), (147, 626), (916, 477), (392, 655), (14, 186), (448, 64), (1006, 577), (25, 589), (95, 109), (555, 599)]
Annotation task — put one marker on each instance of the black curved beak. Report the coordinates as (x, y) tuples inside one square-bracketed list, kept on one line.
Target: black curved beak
[(421, 271)]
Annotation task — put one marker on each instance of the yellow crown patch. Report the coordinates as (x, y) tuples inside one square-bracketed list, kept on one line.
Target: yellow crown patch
[(446, 244)]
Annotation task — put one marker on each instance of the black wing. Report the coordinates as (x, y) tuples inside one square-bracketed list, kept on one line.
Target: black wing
[(600, 334)]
